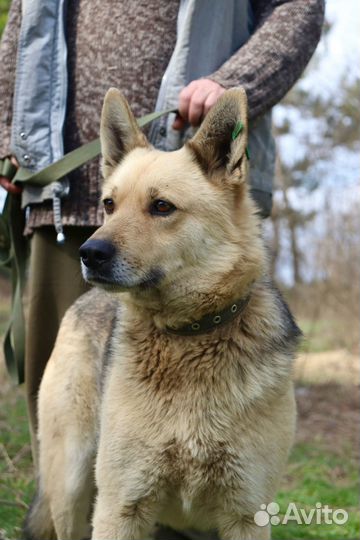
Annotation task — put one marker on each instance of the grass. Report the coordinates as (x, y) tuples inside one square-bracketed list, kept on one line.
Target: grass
[(314, 474), (328, 314), (16, 476), (316, 338), (4, 7), (318, 476)]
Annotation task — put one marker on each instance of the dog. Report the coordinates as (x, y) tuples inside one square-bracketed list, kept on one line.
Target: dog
[(168, 398)]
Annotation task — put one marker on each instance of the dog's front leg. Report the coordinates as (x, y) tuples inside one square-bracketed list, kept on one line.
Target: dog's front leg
[(122, 520)]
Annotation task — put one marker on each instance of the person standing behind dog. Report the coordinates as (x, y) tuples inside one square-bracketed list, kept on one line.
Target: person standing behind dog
[(162, 53)]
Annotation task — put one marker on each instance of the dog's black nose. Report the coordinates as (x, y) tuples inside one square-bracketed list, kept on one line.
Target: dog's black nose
[(94, 253)]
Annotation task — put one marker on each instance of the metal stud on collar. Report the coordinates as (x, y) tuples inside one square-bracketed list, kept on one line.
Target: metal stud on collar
[(211, 321), (195, 326)]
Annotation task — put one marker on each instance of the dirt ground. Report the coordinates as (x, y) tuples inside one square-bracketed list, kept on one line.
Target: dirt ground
[(328, 400), (328, 414)]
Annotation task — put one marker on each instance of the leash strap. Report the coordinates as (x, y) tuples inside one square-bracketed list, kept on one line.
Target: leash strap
[(14, 339), (75, 159)]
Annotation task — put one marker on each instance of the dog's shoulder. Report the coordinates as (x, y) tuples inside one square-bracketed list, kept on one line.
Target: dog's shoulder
[(92, 319), (97, 308), (289, 334), (268, 321)]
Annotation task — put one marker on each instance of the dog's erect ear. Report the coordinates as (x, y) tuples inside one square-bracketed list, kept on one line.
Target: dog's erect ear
[(119, 132), (220, 144)]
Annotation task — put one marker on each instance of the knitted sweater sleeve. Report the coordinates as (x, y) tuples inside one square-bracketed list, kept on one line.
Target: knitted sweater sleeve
[(8, 53), (269, 63)]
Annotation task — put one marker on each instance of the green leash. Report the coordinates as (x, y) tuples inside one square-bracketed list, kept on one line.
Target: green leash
[(75, 159), (14, 247)]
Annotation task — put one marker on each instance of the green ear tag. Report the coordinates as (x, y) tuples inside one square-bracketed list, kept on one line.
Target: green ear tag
[(247, 153), (237, 129)]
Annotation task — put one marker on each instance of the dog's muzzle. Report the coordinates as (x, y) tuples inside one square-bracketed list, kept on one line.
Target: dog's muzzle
[(104, 266)]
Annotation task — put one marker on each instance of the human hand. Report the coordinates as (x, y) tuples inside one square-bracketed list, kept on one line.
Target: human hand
[(7, 184), (195, 101)]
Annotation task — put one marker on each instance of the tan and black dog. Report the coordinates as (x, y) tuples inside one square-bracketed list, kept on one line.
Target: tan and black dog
[(168, 397)]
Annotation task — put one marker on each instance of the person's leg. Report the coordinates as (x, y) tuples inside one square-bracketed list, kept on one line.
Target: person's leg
[(55, 282)]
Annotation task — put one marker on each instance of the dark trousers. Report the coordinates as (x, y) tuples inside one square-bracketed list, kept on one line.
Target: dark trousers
[(55, 282)]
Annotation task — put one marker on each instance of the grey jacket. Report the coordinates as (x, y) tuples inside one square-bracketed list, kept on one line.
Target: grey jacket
[(41, 84)]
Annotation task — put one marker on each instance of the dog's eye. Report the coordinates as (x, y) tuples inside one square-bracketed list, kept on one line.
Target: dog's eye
[(109, 206), (161, 208)]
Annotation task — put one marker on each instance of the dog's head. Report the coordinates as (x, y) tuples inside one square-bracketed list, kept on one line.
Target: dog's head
[(181, 218)]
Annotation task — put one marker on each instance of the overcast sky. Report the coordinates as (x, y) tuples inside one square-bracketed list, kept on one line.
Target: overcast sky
[(337, 57), (340, 51)]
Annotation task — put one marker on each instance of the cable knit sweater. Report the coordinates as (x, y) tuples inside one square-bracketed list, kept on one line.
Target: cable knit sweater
[(128, 45)]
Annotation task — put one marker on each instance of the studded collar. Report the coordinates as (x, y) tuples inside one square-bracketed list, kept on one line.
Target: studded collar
[(211, 321)]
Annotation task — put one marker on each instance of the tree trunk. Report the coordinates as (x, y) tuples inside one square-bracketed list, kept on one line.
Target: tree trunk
[(290, 215)]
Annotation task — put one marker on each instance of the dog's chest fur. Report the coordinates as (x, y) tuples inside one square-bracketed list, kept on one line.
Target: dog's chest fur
[(182, 410)]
